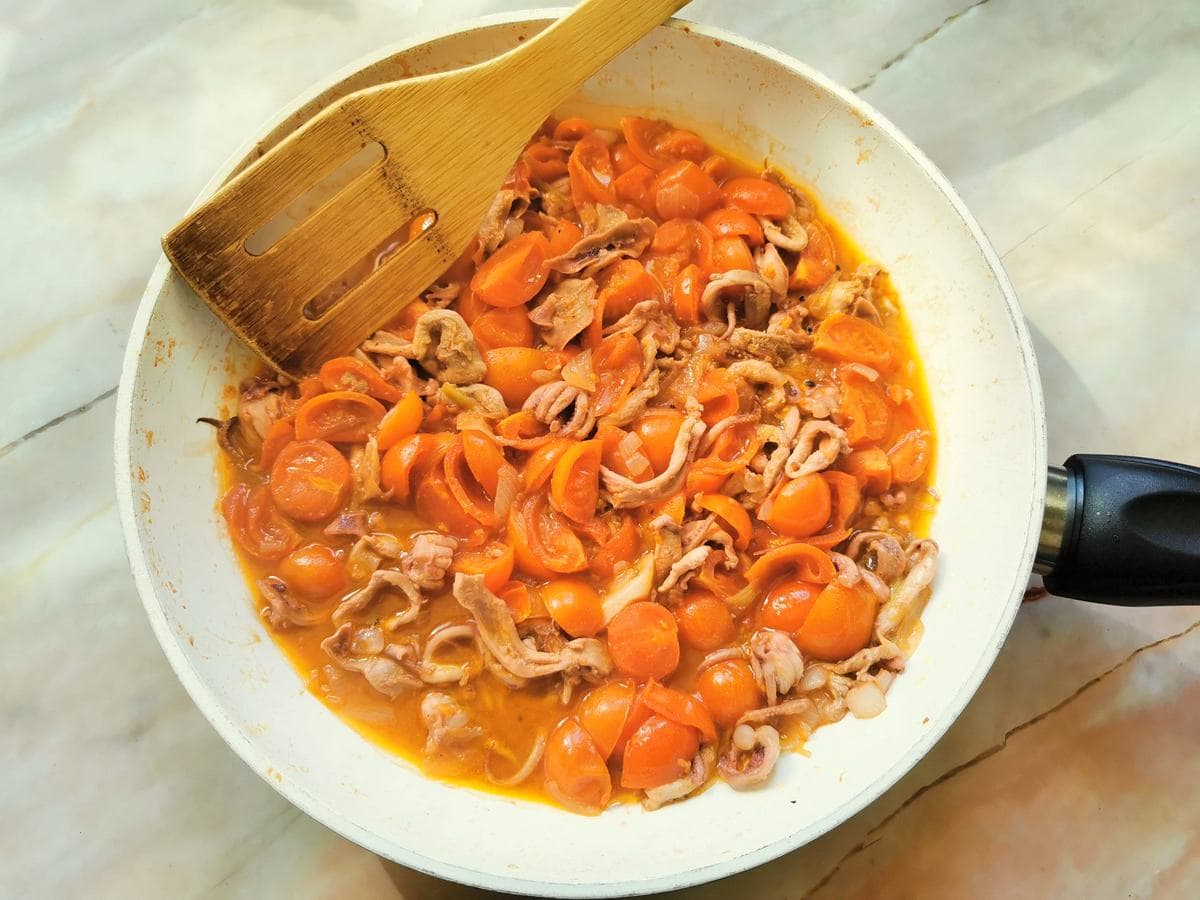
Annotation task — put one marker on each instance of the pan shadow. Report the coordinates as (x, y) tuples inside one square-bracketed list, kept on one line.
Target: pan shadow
[(1069, 403)]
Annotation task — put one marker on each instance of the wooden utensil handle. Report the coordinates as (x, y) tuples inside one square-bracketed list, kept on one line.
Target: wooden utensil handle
[(569, 51)]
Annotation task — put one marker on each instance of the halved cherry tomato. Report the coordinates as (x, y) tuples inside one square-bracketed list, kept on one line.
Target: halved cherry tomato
[(309, 480), (540, 464), (839, 623), (409, 458), (718, 393), (817, 262), (575, 771), (465, 488), (591, 170), (515, 595), (642, 136), (546, 162), (436, 504), (256, 525), (716, 166), (847, 497), (510, 371), (574, 605), (469, 306), (730, 253), (625, 284), (515, 272), (622, 159), (798, 507), (604, 712), (644, 641), (731, 513), (572, 129), (658, 144), (563, 234), (660, 751), (734, 222), (524, 426), (575, 484), (347, 417), (802, 561), (909, 456), (494, 561), (729, 690), (684, 191), (348, 373), (281, 433), (787, 605), (680, 707), (621, 547), (686, 240), (402, 323), (865, 413), (618, 366), (401, 421), (636, 186), (686, 292), (704, 621), (543, 542), (758, 197), (314, 571), (509, 327), (484, 458), (871, 467), (658, 428)]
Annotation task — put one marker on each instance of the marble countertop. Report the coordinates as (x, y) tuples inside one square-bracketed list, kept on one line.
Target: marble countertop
[(1070, 128)]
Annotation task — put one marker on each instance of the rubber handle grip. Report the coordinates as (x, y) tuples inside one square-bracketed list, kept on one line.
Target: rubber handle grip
[(1132, 535)]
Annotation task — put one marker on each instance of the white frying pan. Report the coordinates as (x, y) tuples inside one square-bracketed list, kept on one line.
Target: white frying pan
[(991, 476)]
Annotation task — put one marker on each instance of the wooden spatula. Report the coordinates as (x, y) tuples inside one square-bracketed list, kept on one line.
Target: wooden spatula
[(321, 241)]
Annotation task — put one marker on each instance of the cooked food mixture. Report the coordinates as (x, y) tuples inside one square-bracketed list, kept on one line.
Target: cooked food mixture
[(629, 501)]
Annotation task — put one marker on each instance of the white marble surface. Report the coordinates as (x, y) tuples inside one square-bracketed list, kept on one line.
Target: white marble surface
[(1072, 129)]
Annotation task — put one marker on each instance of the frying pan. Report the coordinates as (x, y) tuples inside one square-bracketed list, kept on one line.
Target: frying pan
[(1115, 530)]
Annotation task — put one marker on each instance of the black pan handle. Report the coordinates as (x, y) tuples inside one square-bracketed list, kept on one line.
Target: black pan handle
[(1122, 530)]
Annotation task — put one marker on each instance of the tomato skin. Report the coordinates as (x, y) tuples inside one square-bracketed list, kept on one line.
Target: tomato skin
[(787, 605), (604, 712), (705, 623), (643, 640), (256, 525), (514, 273), (341, 417), (799, 507), (310, 480), (658, 429), (575, 771), (660, 751), (839, 623), (314, 571), (729, 690), (574, 605)]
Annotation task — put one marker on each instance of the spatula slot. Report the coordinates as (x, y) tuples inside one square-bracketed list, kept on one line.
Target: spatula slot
[(372, 261), (307, 203)]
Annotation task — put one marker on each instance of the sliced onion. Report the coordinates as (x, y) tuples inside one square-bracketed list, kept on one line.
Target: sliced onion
[(578, 373), (631, 453), (865, 700), (507, 485), (814, 678)]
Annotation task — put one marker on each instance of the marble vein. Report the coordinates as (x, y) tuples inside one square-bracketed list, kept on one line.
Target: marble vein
[(873, 835), (923, 39), (57, 421)]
